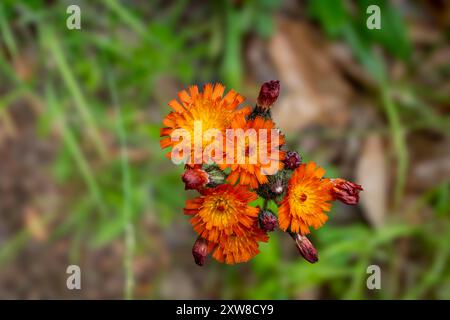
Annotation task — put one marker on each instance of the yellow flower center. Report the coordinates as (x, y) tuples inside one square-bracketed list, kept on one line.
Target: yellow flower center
[(204, 112), (300, 196), (221, 205), (220, 211), (303, 197)]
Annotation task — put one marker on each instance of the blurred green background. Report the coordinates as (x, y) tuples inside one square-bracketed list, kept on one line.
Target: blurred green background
[(83, 180)]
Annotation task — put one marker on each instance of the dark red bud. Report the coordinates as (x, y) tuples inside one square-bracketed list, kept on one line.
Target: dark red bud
[(268, 94), (267, 221), (200, 251), (345, 191), (292, 160), (306, 248), (195, 179)]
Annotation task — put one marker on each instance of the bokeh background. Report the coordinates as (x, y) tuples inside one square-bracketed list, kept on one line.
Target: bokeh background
[(83, 180)]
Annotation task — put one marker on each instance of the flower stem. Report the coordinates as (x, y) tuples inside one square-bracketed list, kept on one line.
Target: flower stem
[(126, 188)]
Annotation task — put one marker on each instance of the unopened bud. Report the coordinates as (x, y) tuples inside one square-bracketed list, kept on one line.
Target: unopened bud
[(277, 186), (292, 160), (268, 94), (305, 247), (267, 221), (345, 191), (195, 179), (216, 176), (200, 251)]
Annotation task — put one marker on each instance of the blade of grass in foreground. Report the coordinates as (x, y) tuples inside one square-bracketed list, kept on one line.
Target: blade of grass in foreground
[(71, 83), (7, 34), (401, 149), (126, 188), (133, 22), (70, 140)]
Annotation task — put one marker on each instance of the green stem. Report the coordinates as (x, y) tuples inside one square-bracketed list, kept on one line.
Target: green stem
[(7, 34), (74, 148), (265, 204), (401, 149), (74, 88), (126, 188)]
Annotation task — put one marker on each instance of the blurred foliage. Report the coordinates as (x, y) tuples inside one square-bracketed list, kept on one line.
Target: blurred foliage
[(100, 88)]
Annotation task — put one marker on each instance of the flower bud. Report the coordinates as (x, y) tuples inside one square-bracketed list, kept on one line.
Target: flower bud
[(195, 179), (305, 247), (277, 187), (200, 251), (345, 191), (268, 94), (267, 221), (292, 160), (216, 176)]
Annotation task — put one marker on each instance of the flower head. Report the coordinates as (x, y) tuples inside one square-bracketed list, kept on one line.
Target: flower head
[(231, 157), (262, 155), (206, 110), (236, 249), (222, 211), (306, 201), (345, 191)]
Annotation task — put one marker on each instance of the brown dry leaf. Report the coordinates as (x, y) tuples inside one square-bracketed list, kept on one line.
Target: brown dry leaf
[(7, 126), (430, 162), (440, 11), (345, 60), (432, 172), (424, 34), (371, 173), (35, 224), (178, 285), (313, 90), (24, 65)]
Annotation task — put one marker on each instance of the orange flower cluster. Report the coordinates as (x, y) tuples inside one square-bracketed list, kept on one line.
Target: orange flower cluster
[(228, 224)]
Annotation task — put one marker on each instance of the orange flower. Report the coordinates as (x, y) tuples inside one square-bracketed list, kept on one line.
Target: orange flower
[(207, 108), (236, 249), (306, 201), (262, 156), (222, 211)]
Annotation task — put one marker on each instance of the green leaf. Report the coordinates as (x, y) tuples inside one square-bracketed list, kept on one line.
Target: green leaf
[(331, 15), (393, 34), (108, 231)]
